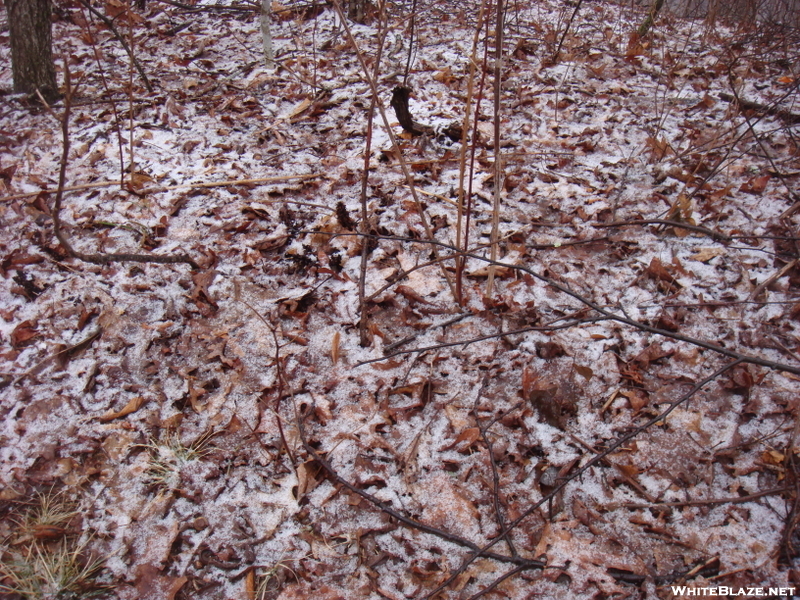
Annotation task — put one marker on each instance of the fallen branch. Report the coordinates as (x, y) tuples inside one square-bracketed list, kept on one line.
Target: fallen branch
[(767, 109), (156, 190), (482, 338), (709, 232), (754, 360), (711, 501), (414, 524), (100, 259), (621, 441)]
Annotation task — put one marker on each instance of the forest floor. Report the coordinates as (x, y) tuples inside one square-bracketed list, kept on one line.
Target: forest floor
[(618, 415)]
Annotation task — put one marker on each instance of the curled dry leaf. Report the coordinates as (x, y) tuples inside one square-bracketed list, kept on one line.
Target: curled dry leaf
[(132, 406), (335, 347)]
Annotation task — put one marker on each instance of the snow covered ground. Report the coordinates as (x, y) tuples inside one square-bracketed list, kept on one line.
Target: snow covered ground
[(221, 432)]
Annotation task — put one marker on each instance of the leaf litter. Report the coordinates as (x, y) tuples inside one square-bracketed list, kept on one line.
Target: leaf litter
[(224, 434)]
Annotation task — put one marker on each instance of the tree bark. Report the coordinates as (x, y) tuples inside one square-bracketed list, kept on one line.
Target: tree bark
[(32, 47)]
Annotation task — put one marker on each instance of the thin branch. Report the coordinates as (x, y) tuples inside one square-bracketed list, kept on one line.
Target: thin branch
[(184, 186), (557, 52), (363, 324), (406, 172), (100, 259), (621, 441), (409, 522), (605, 312), (712, 501), (110, 24), (498, 511), (498, 160), (699, 229), (482, 338)]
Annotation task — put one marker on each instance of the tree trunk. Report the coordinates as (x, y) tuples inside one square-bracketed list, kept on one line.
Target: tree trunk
[(32, 47)]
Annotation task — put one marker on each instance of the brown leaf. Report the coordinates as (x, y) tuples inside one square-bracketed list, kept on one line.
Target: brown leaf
[(740, 380), (335, 347), (544, 400), (651, 354), (410, 294), (637, 398), (659, 148), (756, 185), (152, 585), (706, 254), (658, 271), (628, 470), (549, 350), (466, 438), (133, 405), (23, 334)]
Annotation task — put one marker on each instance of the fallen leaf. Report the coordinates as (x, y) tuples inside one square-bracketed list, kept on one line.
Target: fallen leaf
[(335, 347), (756, 185), (23, 334), (706, 254), (133, 405), (465, 439), (152, 585)]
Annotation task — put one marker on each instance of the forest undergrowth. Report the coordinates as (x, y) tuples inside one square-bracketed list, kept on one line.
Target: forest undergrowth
[(448, 304)]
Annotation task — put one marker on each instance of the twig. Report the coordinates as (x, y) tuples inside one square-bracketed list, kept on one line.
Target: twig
[(699, 229), (766, 109), (498, 512), (156, 190), (279, 369), (592, 462), (772, 278), (66, 353), (414, 524), (406, 172), (209, 7), (498, 159), (735, 500), (110, 24), (363, 324), (607, 313), (412, 27), (462, 159), (100, 259), (498, 581), (554, 57), (482, 338)]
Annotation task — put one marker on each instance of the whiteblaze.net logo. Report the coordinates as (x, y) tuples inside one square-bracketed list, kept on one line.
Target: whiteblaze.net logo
[(723, 590)]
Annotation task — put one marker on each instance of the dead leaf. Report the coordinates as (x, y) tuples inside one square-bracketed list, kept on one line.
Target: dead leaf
[(152, 585), (24, 334), (549, 350), (756, 185), (656, 270), (628, 470), (465, 439), (335, 347), (133, 405), (444, 76), (659, 148), (299, 108), (706, 254), (138, 180), (637, 398)]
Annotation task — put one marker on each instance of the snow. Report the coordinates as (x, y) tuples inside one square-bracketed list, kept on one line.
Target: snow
[(580, 150)]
